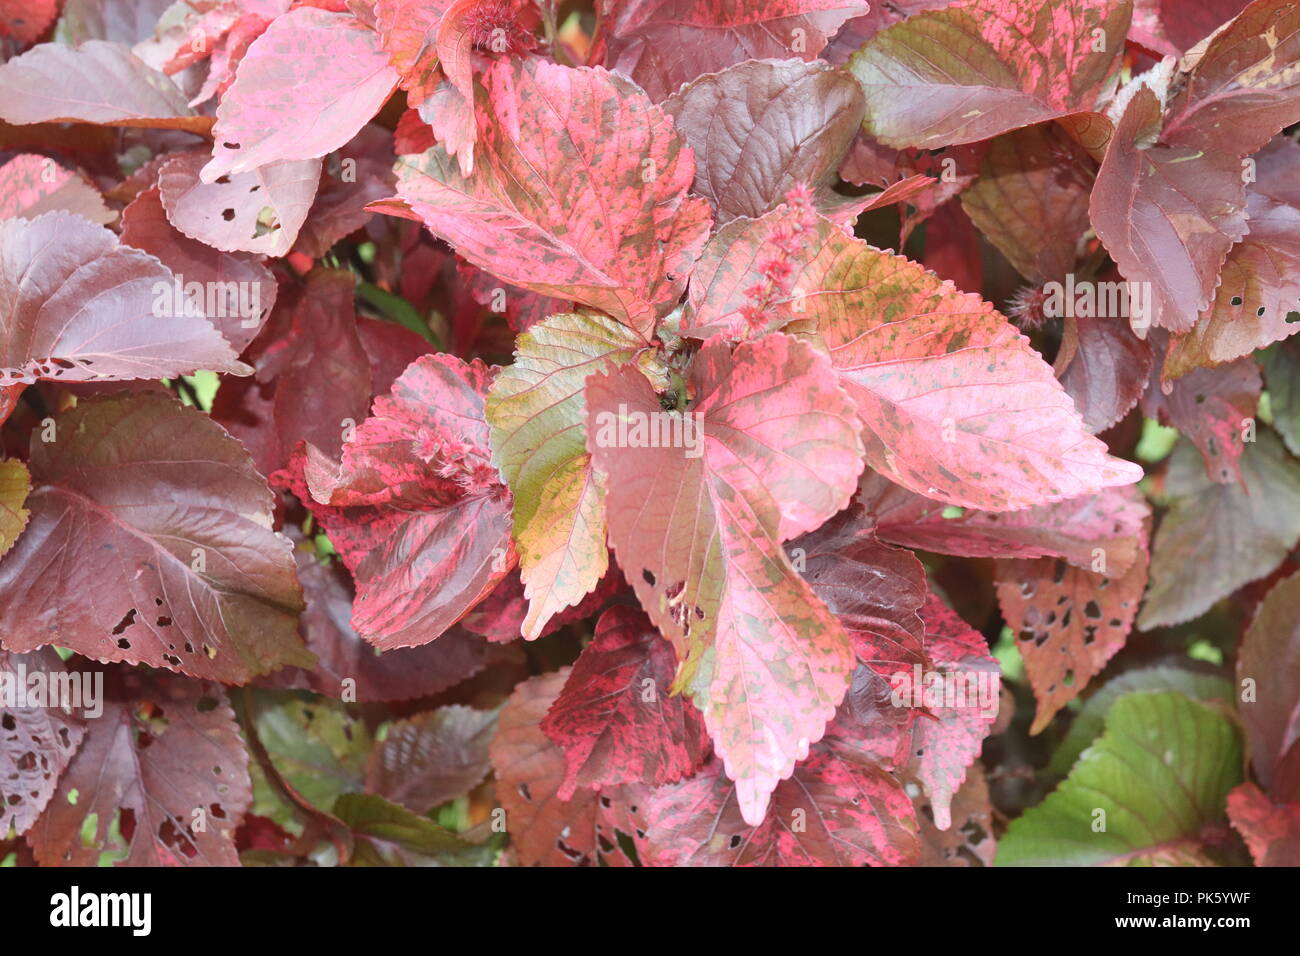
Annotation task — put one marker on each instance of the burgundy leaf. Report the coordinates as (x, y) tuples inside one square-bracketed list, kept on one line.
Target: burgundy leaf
[(97, 82), (82, 308), (433, 757), (755, 135), (38, 738), (160, 527), (242, 289), (664, 43), (1168, 216), (165, 764)]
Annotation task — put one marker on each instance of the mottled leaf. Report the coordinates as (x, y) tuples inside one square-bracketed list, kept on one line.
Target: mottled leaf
[(31, 185), (615, 720), (581, 194), (697, 526), (433, 757), (539, 436)]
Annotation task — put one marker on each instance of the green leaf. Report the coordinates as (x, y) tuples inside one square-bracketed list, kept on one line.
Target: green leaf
[(1140, 795), (316, 744), (1089, 722), (539, 436), (390, 835), (397, 309)]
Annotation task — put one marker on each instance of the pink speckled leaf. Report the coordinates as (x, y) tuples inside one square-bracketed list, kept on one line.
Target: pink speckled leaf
[(944, 748), (26, 20), (836, 810), (955, 402), (974, 70), (240, 309), (615, 719), (698, 529), (1271, 830), (98, 82), (1168, 216), (578, 191), (416, 508), (31, 185), (80, 307), (408, 32), (304, 88), (161, 529), (664, 43), (259, 211), (764, 126)]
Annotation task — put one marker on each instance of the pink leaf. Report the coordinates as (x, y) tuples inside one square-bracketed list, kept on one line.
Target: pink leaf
[(697, 528), (579, 191), (305, 87)]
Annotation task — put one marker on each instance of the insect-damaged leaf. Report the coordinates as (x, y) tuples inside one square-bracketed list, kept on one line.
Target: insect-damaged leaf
[(579, 194), (544, 829), (38, 737), (80, 307), (161, 529), (304, 88), (167, 753), (1258, 296), (257, 211), (539, 435), (974, 70), (767, 449), (615, 719)]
